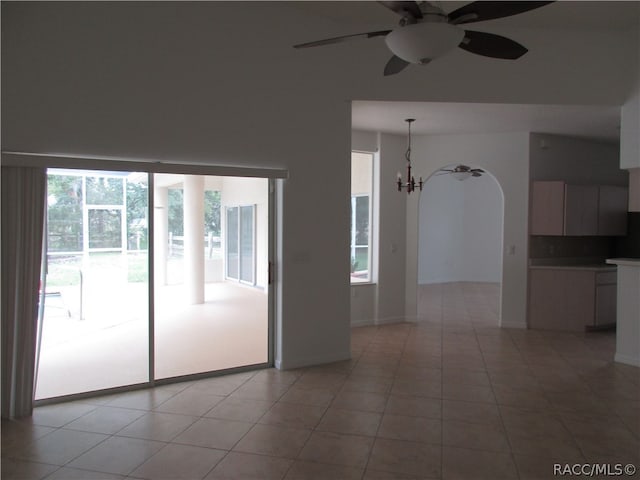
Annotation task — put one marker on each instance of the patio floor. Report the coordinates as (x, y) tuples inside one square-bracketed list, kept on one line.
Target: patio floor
[(109, 347)]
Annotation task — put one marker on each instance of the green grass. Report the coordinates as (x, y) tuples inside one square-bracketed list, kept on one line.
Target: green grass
[(65, 271), (362, 259)]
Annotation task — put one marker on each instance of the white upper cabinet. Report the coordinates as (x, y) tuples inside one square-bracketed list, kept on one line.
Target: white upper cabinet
[(558, 208)]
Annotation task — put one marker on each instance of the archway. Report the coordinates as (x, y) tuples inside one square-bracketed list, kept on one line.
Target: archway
[(460, 248)]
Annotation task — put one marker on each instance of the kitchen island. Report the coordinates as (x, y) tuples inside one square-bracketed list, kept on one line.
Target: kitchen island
[(628, 311)]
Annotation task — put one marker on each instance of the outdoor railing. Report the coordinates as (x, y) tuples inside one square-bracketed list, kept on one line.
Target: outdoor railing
[(176, 244)]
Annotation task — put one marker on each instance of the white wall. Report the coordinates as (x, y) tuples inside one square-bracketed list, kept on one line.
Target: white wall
[(630, 116), (441, 225), (460, 231), (482, 233), (506, 156), (392, 231), (218, 83), (363, 304), (629, 138), (576, 160), (629, 128), (364, 141)]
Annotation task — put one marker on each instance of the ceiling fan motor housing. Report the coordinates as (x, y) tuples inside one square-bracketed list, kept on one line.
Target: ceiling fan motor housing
[(422, 42)]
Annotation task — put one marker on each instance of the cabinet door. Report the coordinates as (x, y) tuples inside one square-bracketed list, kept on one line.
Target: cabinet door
[(561, 299), (606, 304), (546, 299), (579, 299), (581, 210), (547, 208), (612, 210)]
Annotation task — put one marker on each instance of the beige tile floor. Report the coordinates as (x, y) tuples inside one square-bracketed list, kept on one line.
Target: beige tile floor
[(448, 396)]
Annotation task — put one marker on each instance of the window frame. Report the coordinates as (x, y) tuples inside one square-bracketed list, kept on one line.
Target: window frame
[(370, 276)]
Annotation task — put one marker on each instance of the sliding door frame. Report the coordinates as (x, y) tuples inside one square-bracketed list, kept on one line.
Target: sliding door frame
[(152, 270), (22, 159)]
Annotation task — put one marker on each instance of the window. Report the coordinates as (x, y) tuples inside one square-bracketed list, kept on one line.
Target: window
[(361, 215)]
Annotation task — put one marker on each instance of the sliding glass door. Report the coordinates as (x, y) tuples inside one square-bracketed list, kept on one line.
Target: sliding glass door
[(94, 331), (206, 317), (207, 239)]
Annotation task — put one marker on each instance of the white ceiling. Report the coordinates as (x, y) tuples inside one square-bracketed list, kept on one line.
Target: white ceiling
[(597, 122), (593, 15)]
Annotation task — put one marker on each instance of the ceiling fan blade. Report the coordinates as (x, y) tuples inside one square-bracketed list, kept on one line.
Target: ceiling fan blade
[(491, 45), (480, 11), (401, 8), (342, 38), (476, 174), (395, 65)]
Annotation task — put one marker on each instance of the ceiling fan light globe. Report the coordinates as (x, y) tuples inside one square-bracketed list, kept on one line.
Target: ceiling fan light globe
[(461, 175), (422, 42)]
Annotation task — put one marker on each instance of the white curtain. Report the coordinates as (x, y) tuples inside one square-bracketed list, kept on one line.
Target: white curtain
[(23, 213)]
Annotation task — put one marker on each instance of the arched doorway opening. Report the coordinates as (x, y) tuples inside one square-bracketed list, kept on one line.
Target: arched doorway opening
[(460, 249)]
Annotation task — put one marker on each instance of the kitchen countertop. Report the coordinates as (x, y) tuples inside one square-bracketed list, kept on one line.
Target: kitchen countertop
[(600, 267), (628, 262)]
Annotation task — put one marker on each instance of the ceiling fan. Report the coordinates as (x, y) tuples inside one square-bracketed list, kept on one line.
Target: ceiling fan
[(426, 32), (461, 172)]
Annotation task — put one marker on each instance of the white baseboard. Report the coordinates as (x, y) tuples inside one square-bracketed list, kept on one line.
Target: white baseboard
[(362, 323), (388, 320), (627, 359), (415, 318), (521, 325), (382, 321), (312, 360)]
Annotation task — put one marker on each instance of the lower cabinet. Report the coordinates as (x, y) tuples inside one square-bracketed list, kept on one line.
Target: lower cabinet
[(571, 300)]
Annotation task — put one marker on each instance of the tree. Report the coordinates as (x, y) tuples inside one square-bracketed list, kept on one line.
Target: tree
[(211, 211), (137, 213), (176, 211), (64, 213)]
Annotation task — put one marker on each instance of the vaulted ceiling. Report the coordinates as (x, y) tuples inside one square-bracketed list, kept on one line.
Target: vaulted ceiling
[(600, 122)]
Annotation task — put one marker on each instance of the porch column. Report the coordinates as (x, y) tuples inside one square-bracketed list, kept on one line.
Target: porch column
[(161, 233), (194, 238)]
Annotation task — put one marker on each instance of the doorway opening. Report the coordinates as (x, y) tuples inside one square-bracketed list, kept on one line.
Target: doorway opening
[(460, 248)]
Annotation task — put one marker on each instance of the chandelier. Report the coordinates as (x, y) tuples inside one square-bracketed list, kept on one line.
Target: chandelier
[(410, 183)]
